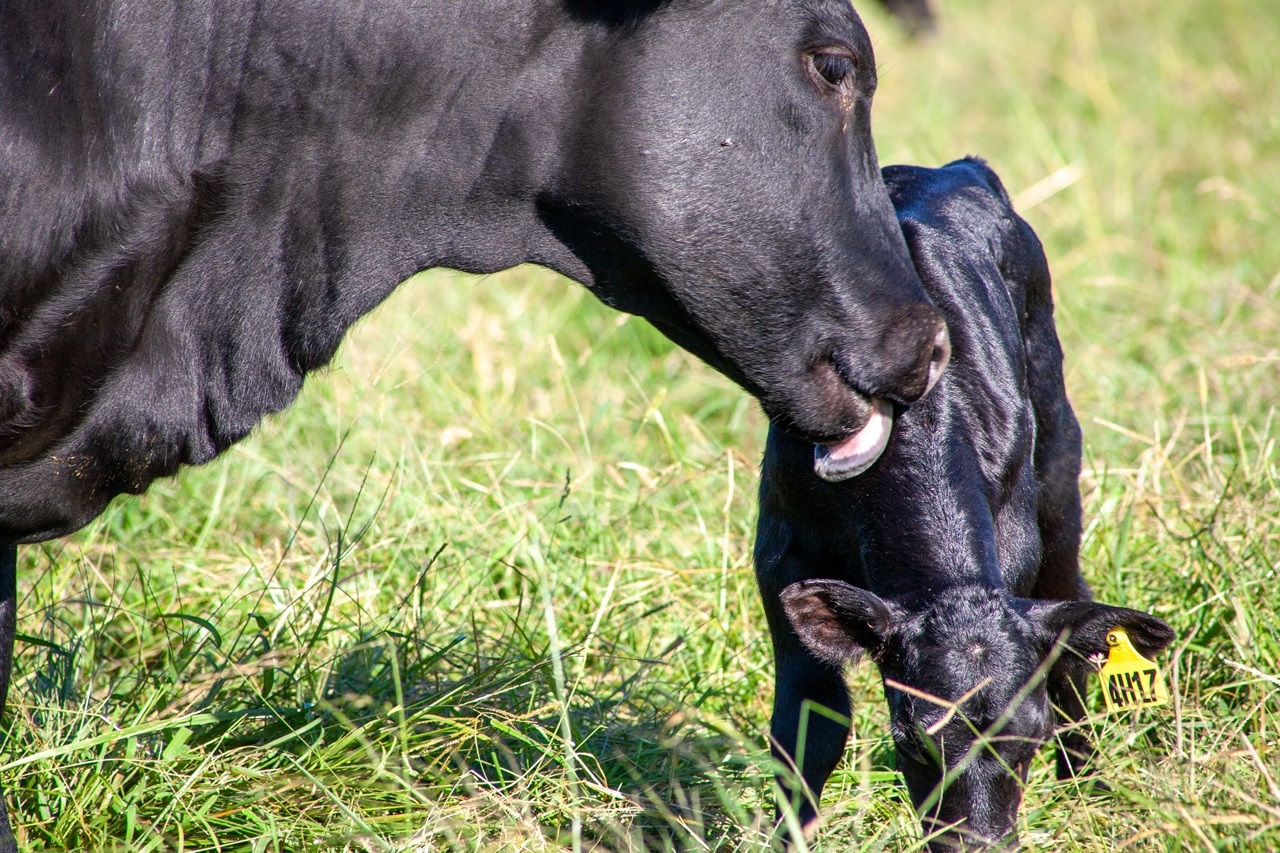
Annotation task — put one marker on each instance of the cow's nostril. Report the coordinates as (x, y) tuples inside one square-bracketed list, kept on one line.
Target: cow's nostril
[(940, 357), (941, 346)]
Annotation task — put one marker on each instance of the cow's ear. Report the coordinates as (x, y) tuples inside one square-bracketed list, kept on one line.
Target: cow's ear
[(837, 621), (1085, 625)]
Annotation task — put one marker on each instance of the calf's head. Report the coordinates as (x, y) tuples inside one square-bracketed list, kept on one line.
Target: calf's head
[(964, 677), (721, 181)]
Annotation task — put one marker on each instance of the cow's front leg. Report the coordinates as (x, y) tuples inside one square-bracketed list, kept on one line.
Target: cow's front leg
[(8, 624)]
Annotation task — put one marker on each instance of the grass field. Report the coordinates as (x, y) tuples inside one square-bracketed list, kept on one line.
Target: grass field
[(488, 585)]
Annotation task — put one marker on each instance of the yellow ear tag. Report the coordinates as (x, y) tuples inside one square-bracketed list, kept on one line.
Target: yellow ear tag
[(1128, 679)]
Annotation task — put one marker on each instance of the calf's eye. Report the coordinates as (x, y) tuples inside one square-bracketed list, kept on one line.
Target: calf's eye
[(834, 68)]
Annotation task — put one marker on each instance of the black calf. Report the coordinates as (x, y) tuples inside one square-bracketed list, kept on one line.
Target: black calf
[(952, 562)]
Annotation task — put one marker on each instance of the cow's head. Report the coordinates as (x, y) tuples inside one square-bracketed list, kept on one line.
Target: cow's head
[(964, 678), (719, 179)]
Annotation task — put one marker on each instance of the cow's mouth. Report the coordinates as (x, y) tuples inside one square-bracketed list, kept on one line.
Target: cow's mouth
[(858, 452)]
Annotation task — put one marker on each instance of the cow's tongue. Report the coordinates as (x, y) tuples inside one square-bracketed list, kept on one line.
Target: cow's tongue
[(857, 453)]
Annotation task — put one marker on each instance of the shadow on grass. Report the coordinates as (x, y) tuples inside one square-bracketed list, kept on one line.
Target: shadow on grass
[(382, 737)]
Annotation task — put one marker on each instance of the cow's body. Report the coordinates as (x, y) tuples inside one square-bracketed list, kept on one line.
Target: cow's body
[(953, 560), (197, 200)]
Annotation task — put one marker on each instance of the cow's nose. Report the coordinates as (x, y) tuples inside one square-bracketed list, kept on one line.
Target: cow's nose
[(940, 357), (911, 355)]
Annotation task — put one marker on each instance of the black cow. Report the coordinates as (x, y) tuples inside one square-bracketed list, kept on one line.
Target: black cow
[(952, 562), (197, 200)]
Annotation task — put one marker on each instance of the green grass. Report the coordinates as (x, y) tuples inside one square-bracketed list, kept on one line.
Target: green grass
[(487, 586)]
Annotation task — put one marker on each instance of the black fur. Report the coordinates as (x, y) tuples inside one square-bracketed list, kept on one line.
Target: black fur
[(953, 561), (198, 200)]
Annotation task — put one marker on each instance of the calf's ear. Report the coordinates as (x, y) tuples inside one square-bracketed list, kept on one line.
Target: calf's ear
[(837, 621), (1086, 624)]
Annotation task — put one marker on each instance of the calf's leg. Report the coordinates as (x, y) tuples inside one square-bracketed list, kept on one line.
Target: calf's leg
[(1072, 747), (1058, 473), (805, 739), (8, 623), (1060, 580), (1057, 464)]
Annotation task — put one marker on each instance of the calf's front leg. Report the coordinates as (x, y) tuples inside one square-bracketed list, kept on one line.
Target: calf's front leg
[(806, 740), (810, 724), (1073, 749), (1058, 471)]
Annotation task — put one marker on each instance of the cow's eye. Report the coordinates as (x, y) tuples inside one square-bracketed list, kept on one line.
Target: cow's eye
[(834, 68)]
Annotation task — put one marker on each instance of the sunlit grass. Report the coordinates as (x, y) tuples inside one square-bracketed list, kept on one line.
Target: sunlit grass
[(488, 587)]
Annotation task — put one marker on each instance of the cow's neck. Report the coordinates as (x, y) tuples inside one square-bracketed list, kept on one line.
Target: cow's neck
[(420, 137), (223, 192)]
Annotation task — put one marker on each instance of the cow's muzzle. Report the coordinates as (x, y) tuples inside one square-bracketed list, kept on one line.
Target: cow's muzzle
[(854, 454)]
